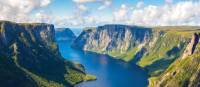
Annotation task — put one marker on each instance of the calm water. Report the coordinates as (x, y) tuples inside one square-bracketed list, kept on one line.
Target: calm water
[(109, 72)]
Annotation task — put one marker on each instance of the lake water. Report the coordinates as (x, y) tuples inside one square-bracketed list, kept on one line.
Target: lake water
[(109, 72)]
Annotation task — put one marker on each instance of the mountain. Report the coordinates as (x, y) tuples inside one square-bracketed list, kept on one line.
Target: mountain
[(154, 49), (30, 57), (185, 71), (64, 34)]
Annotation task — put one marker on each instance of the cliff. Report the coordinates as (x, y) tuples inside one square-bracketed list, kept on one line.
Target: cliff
[(151, 48), (185, 71), (30, 57), (115, 40), (161, 51), (64, 34)]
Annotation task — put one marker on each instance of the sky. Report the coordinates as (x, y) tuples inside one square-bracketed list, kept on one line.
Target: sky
[(86, 13)]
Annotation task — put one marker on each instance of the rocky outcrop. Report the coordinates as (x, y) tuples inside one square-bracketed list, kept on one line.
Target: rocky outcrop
[(114, 40), (154, 49), (31, 50), (63, 34), (191, 46), (184, 72)]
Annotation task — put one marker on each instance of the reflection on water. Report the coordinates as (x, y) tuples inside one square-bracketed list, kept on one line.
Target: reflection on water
[(109, 72)]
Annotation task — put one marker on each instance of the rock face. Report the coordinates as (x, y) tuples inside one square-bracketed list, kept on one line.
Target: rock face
[(30, 57), (64, 34), (113, 39), (148, 47), (191, 46), (167, 53), (184, 72)]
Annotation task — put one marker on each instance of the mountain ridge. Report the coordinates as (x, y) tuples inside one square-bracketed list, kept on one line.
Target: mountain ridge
[(153, 49), (31, 49)]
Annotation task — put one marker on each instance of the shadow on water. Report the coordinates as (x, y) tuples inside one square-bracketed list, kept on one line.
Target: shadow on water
[(110, 72)]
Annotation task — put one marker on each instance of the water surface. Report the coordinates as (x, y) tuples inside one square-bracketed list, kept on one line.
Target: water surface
[(109, 72)]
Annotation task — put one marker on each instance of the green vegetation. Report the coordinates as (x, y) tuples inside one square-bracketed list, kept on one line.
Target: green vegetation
[(75, 77), (89, 28), (41, 82), (184, 72), (130, 54), (11, 74), (32, 24), (27, 60), (89, 77), (167, 48)]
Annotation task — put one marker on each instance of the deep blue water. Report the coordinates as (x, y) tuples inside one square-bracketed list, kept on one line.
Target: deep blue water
[(109, 72)]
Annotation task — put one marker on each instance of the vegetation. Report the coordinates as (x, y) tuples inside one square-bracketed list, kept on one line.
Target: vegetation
[(75, 77), (41, 82), (181, 73), (89, 77), (32, 24), (11, 74), (27, 60), (167, 48)]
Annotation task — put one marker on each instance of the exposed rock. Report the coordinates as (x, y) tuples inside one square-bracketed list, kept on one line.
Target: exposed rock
[(183, 72), (31, 50), (191, 46), (113, 39)]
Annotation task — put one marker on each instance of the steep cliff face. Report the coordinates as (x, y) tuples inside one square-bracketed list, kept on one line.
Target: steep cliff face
[(30, 50), (64, 34), (191, 46), (185, 71), (115, 40), (151, 48)]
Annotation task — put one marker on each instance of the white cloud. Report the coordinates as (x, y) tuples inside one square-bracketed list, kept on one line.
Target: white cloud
[(121, 15), (15, 10), (140, 4), (169, 1), (85, 1), (181, 13), (170, 13), (104, 3), (82, 7)]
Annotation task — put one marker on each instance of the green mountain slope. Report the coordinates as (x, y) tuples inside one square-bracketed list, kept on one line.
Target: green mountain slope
[(155, 49), (184, 72), (30, 49)]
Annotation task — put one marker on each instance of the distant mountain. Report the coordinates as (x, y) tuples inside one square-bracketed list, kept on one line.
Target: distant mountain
[(29, 57), (64, 34), (156, 49)]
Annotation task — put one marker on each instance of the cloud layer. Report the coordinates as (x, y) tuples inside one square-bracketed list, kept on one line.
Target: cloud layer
[(182, 13), (19, 10), (171, 13)]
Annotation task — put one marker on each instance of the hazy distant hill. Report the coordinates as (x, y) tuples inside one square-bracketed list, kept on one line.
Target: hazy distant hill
[(64, 34)]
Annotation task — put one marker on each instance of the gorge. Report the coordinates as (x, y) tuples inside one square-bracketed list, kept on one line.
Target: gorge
[(35, 55), (159, 50)]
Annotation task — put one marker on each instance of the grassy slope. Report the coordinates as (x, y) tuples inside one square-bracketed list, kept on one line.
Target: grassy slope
[(167, 48), (11, 74), (18, 70), (181, 73)]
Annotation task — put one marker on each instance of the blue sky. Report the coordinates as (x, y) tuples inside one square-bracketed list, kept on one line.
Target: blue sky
[(66, 7), (83, 13)]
